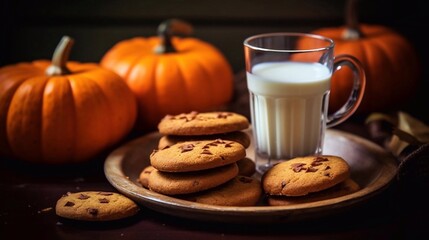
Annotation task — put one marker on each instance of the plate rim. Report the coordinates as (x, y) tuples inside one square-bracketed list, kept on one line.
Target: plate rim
[(183, 208)]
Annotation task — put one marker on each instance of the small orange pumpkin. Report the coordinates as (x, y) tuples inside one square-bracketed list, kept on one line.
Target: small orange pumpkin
[(171, 75), (62, 112), (390, 62)]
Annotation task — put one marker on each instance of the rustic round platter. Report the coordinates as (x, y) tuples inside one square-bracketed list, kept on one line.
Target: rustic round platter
[(371, 167)]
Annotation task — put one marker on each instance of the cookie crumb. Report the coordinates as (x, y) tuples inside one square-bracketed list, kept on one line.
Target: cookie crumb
[(45, 210)]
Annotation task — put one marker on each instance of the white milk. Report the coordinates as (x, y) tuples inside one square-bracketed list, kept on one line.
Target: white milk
[(287, 101)]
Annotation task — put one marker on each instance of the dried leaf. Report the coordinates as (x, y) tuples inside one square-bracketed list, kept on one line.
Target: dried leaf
[(410, 131)]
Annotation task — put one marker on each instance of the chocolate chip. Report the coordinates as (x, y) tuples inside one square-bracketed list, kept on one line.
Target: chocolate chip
[(327, 168), (103, 200), (223, 115), (316, 164), (228, 145), (327, 175), (83, 196), (297, 167), (165, 147), (205, 151), (92, 211), (311, 169), (69, 204), (320, 159), (187, 147), (244, 179), (105, 193), (283, 184)]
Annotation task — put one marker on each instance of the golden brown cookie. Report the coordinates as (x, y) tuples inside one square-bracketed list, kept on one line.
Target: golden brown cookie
[(348, 186), (206, 123), (240, 191), (304, 175), (246, 167), (95, 206), (197, 155), (190, 182), (144, 176), (237, 136)]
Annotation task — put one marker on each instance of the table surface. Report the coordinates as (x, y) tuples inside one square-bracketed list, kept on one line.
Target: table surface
[(29, 193)]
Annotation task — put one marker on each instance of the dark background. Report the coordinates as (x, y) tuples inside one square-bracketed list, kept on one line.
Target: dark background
[(30, 30)]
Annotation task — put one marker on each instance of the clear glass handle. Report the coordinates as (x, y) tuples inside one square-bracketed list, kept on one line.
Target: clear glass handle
[(356, 94)]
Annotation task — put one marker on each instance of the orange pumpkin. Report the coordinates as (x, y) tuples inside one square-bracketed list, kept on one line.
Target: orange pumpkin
[(171, 75), (62, 112), (390, 62)]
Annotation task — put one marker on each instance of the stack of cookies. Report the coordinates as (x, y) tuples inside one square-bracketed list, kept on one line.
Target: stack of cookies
[(308, 179), (201, 157)]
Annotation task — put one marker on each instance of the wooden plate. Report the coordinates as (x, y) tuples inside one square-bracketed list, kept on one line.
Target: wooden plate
[(371, 167)]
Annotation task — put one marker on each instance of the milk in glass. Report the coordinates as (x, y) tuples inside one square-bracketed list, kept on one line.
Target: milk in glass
[(288, 107)]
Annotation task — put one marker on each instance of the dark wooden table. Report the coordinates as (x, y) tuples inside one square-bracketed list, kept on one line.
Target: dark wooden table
[(29, 193)]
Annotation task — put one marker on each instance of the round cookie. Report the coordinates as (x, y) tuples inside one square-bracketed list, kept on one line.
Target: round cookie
[(240, 191), (190, 182), (303, 175), (206, 123), (237, 136), (144, 176), (348, 186), (197, 155), (246, 167), (95, 206)]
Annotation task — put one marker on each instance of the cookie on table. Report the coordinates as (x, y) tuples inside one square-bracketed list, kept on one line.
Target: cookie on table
[(206, 123), (346, 187), (304, 175), (240, 191), (246, 167), (190, 182), (144, 176), (95, 206), (197, 155), (237, 136)]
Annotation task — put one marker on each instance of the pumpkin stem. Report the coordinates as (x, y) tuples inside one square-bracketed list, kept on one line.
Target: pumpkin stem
[(168, 29), (352, 31), (60, 57)]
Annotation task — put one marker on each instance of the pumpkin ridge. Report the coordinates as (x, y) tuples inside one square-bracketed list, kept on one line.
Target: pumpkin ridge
[(98, 139), (132, 63), (213, 92), (118, 100), (365, 60), (187, 93), (6, 95), (384, 53), (24, 140), (397, 71), (51, 137), (104, 101)]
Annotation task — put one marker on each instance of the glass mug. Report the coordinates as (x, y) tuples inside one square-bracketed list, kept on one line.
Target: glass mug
[(289, 79)]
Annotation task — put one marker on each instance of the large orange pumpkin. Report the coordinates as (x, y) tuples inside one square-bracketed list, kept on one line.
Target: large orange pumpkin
[(62, 112), (171, 75), (391, 64)]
